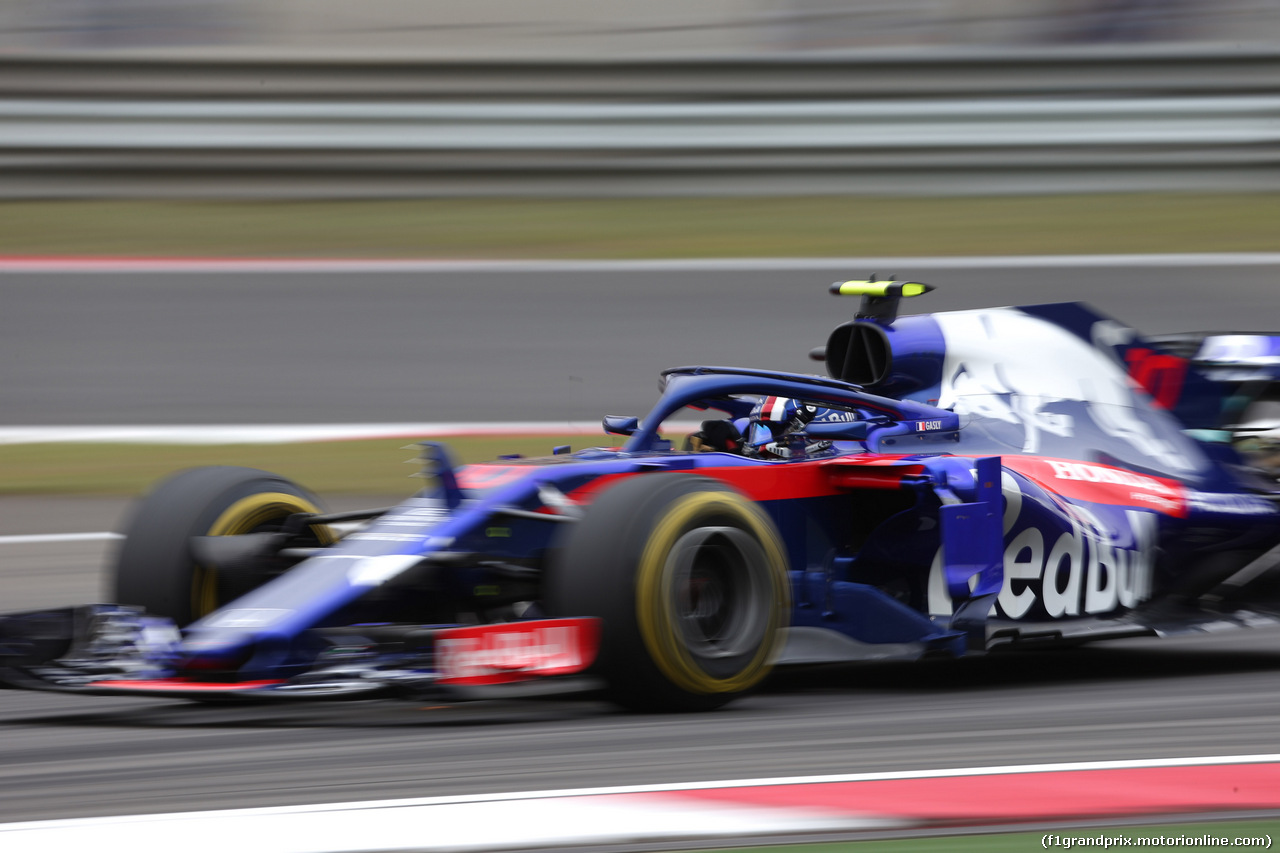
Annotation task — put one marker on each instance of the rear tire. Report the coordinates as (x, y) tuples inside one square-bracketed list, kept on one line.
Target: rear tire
[(689, 578), (155, 568)]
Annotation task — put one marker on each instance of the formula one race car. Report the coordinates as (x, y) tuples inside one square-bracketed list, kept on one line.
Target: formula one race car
[(959, 481)]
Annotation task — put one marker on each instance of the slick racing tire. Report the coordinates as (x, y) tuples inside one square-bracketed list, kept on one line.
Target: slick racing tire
[(155, 566), (689, 579)]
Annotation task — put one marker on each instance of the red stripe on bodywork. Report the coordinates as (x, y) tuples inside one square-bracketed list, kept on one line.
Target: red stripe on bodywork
[(1102, 484), (778, 482), (482, 476), (876, 472), (789, 480), (586, 493), (1082, 481), (819, 478)]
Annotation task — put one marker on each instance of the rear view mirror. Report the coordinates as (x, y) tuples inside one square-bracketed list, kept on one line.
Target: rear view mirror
[(621, 424)]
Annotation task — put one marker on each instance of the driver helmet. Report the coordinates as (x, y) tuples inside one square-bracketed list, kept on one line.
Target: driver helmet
[(771, 419)]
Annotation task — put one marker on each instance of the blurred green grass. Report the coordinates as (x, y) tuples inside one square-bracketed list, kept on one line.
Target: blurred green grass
[(373, 467), (826, 226)]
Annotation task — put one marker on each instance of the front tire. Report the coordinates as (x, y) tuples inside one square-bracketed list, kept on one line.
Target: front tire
[(155, 567), (689, 578)]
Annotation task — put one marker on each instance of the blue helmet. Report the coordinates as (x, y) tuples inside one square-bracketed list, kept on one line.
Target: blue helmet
[(774, 417)]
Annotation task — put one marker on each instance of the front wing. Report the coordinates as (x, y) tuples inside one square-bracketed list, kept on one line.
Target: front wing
[(111, 650)]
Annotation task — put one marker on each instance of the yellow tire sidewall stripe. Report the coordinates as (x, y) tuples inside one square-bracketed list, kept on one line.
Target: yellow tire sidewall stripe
[(242, 517), (654, 613)]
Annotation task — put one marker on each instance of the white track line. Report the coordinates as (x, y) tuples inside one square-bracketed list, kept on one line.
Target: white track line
[(356, 265), (545, 823), (282, 433), (47, 538)]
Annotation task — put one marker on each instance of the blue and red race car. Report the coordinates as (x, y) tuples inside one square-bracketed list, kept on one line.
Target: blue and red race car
[(957, 482)]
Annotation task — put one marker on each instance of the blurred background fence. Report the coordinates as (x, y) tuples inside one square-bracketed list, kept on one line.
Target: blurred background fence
[(440, 29), (592, 97)]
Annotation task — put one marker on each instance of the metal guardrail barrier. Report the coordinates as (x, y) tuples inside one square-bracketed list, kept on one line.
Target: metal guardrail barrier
[(1000, 127), (1126, 69), (241, 126)]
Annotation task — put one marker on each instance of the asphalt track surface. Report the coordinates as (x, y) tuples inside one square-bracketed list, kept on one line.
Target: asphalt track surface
[(64, 756), (571, 343)]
